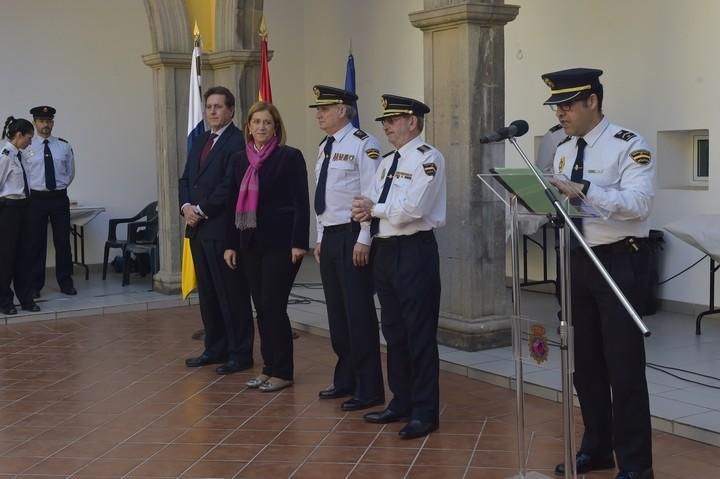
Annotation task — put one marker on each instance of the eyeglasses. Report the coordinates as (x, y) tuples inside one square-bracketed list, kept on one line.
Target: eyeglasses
[(563, 106)]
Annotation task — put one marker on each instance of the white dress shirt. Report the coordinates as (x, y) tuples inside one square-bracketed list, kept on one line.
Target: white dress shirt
[(12, 184), (620, 168), (354, 159), (418, 194), (63, 159)]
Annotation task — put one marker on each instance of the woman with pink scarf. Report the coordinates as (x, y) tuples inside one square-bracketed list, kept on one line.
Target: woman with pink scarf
[(270, 235)]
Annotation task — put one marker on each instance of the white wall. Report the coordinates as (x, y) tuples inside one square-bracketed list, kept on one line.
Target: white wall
[(311, 39), (84, 58), (660, 75)]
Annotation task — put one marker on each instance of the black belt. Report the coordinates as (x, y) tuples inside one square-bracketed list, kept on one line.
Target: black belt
[(352, 227), (631, 244), (404, 238), (49, 194), (12, 201)]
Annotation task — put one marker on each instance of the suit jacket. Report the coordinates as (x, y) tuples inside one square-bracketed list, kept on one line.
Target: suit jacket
[(283, 214), (210, 185)]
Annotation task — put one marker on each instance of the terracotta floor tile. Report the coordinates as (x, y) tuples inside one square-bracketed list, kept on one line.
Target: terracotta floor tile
[(132, 451), (57, 465), (16, 465), (442, 457), (436, 472), (389, 455), (38, 448), (350, 439), (267, 423), (158, 435), (234, 452), (336, 454), (299, 438), (295, 454), (161, 468), (494, 459), (489, 473), (373, 471), (451, 441), (203, 436), (391, 439), (264, 470), (313, 424), (109, 467), (246, 436), (497, 443), (182, 452), (214, 469), (318, 471)]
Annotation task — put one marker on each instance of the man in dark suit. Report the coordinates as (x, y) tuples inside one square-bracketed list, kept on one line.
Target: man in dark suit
[(204, 191)]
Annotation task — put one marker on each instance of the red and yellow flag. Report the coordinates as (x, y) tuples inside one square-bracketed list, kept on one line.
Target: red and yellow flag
[(264, 93)]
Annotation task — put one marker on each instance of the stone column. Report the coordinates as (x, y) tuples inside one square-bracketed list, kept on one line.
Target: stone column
[(464, 87)]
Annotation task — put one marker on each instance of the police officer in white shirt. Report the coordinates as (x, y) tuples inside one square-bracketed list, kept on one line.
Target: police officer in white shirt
[(14, 191), (51, 171), (346, 164), (404, 204), (614, 170)]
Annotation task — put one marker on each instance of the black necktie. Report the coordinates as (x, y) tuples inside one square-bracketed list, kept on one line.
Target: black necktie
[(375, 223), (49, 168), (322, 180), (26, 188), (577, 175)]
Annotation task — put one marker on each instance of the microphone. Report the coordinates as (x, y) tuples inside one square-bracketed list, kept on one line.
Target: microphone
[(516, 128)]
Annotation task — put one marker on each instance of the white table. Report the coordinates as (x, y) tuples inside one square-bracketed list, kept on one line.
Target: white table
[(81, 215)]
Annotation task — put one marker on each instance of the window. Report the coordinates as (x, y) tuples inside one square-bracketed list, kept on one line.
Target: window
[(701, 158)]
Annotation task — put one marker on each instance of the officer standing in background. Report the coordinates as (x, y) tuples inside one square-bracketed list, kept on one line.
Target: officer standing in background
[(405, 203), (614, 170), (51, 169), (346, 164)]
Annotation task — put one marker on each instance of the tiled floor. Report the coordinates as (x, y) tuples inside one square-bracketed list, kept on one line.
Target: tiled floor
[(109, 397)]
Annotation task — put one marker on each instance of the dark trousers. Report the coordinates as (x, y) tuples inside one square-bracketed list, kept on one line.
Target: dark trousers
[(270, 275), (406, 272), (12, 219), (610, 358), (354, 332), (224, 303), (55, 206)]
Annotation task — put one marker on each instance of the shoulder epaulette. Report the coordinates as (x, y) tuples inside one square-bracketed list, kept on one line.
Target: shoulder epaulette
[(567, 138), (625, 135), (424, 148), (555, 128), (360, 134), (388, 153), (5, 151), (63, 140)]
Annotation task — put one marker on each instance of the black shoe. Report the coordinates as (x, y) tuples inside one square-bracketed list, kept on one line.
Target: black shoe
[(35, 294), (585, 463), (417, 428), (332, 393), (69, 290), (202, 360), (31, 306), (8, 310), (233, 366), (384, 417), (358, 404), (646, 474)]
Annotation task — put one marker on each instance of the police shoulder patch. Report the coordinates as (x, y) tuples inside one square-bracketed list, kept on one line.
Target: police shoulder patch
[(555, 128), (373, 153), (360, 134), (63, 140), (430, 168), (641, 157), (388, 154), (424, 148), (567, 138), (625, 135), (5, 151)]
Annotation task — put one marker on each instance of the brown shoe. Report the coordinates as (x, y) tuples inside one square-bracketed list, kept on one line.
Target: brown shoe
[(275, 384)]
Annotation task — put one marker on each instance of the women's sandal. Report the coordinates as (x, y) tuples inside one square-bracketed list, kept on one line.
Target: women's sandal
[(258, 381), (275, 384)]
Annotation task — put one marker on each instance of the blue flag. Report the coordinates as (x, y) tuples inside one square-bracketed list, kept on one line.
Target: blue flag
[(350, 86)]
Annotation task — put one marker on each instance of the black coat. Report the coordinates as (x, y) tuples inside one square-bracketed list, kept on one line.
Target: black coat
[(209, 186), (283, 214)]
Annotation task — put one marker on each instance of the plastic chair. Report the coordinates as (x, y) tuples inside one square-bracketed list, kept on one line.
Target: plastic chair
[(149, 212)]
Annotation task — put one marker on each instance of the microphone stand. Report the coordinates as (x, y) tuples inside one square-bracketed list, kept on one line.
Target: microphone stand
[(561, 220)]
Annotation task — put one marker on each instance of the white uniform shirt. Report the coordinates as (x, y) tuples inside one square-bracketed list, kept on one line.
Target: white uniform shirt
[(354, 159), (621, 170), (418, 194), (63, 158), (12, 184)]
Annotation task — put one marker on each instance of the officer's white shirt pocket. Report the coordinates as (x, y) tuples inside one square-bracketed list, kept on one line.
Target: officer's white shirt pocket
[(342, 175)]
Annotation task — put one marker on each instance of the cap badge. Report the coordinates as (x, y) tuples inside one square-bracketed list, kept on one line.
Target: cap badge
[(384, 103), (549, 83), (316, 90)]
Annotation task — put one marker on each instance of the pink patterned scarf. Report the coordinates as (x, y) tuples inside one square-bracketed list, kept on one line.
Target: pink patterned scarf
[(249, 194)]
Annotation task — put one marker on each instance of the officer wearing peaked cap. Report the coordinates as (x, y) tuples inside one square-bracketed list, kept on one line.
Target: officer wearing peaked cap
[(346, 164), (405, 203), (50, 173), (614, 170)]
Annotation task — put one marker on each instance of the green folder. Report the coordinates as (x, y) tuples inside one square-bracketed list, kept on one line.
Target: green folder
[(530, 193)]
